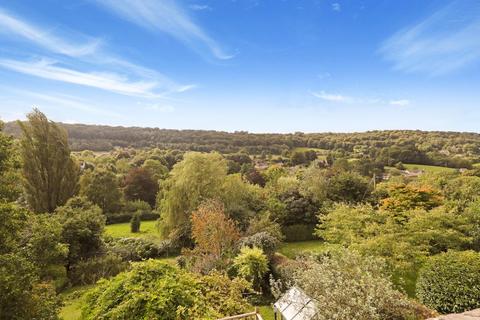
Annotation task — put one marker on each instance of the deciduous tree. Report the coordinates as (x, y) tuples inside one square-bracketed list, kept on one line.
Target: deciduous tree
[(51, 174)]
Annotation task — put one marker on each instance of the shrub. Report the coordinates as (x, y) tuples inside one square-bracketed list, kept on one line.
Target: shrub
[(264, 223), (347, 285), (91, 270), (127, 216), (450, 282), (135, 223), (299, 232), (157, 290), (262, 240), (136, 249), (22, 294), (82, 227), (252, 264)]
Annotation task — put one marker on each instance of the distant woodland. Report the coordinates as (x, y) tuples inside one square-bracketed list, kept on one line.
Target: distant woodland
[(451, 149)]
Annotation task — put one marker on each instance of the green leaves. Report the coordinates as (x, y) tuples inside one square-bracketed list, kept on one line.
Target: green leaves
[(450, 282), (50, 174), (157, 290)]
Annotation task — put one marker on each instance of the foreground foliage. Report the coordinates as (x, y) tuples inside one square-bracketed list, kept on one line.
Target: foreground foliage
[(157, 290), (349, 286), (450, 282)]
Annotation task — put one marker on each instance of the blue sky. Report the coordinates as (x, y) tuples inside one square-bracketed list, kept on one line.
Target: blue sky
[(255, 65)]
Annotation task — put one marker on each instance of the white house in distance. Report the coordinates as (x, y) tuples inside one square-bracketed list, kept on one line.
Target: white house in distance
[(295, 305)]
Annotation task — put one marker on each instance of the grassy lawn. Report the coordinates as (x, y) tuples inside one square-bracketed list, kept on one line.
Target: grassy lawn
[(292, 249), (72, 299), (266, 312), (428, 168), (122, 230)]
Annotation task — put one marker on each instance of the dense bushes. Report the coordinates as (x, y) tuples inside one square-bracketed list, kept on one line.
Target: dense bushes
[(252, 264), (262, 240), (93, 269), (156, 290), (124, 217), (450, 282), (136, 249), (22, 294), (346, 285)]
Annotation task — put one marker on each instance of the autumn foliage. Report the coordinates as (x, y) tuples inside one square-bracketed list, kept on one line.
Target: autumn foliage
[(213, 232)]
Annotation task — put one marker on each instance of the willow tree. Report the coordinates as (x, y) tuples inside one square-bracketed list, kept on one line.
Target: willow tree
[(198, 177), (50, 173)]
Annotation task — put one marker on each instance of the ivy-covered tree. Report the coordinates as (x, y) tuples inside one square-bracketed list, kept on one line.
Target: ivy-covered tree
[(50, 173)]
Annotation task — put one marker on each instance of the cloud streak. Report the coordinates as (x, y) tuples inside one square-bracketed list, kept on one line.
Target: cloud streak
[(340, 98), (401, 102), (111, 73), (11, 25), (50, 69), (442, 43), (166, 16), (332, 97)]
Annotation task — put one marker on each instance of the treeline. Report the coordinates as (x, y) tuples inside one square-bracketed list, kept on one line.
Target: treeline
[(422, 147)]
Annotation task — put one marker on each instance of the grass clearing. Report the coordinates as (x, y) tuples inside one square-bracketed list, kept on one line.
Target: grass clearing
[(266, 312), (148, 229), (292, 249), (426, 168), (319, 151), (72, 298)]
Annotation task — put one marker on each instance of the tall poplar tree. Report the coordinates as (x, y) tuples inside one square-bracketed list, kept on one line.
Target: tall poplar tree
[(50, 173)]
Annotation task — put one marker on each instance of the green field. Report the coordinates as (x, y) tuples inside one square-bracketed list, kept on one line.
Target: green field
[(428, 168), (72, 299), (292, 249), (122, 230)]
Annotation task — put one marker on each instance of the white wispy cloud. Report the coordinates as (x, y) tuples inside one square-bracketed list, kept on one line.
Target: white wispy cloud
[(340, 98), (401, 102), (444, 42), (199, 7), (49, 69), (334, 97), (13, 26), (166, 16), (336, 7), (104, 70)]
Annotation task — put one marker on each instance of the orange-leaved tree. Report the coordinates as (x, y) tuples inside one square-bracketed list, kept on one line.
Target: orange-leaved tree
[(212, 231)]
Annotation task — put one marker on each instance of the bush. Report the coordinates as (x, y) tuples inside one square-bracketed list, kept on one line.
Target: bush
[(264, 223), (91, 270), (22, 294), (157, 290), (135, 223), (450, 282), (127, 216), (252, 264), (136, 249), (262, 240), (299, 232), (346, 285)]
